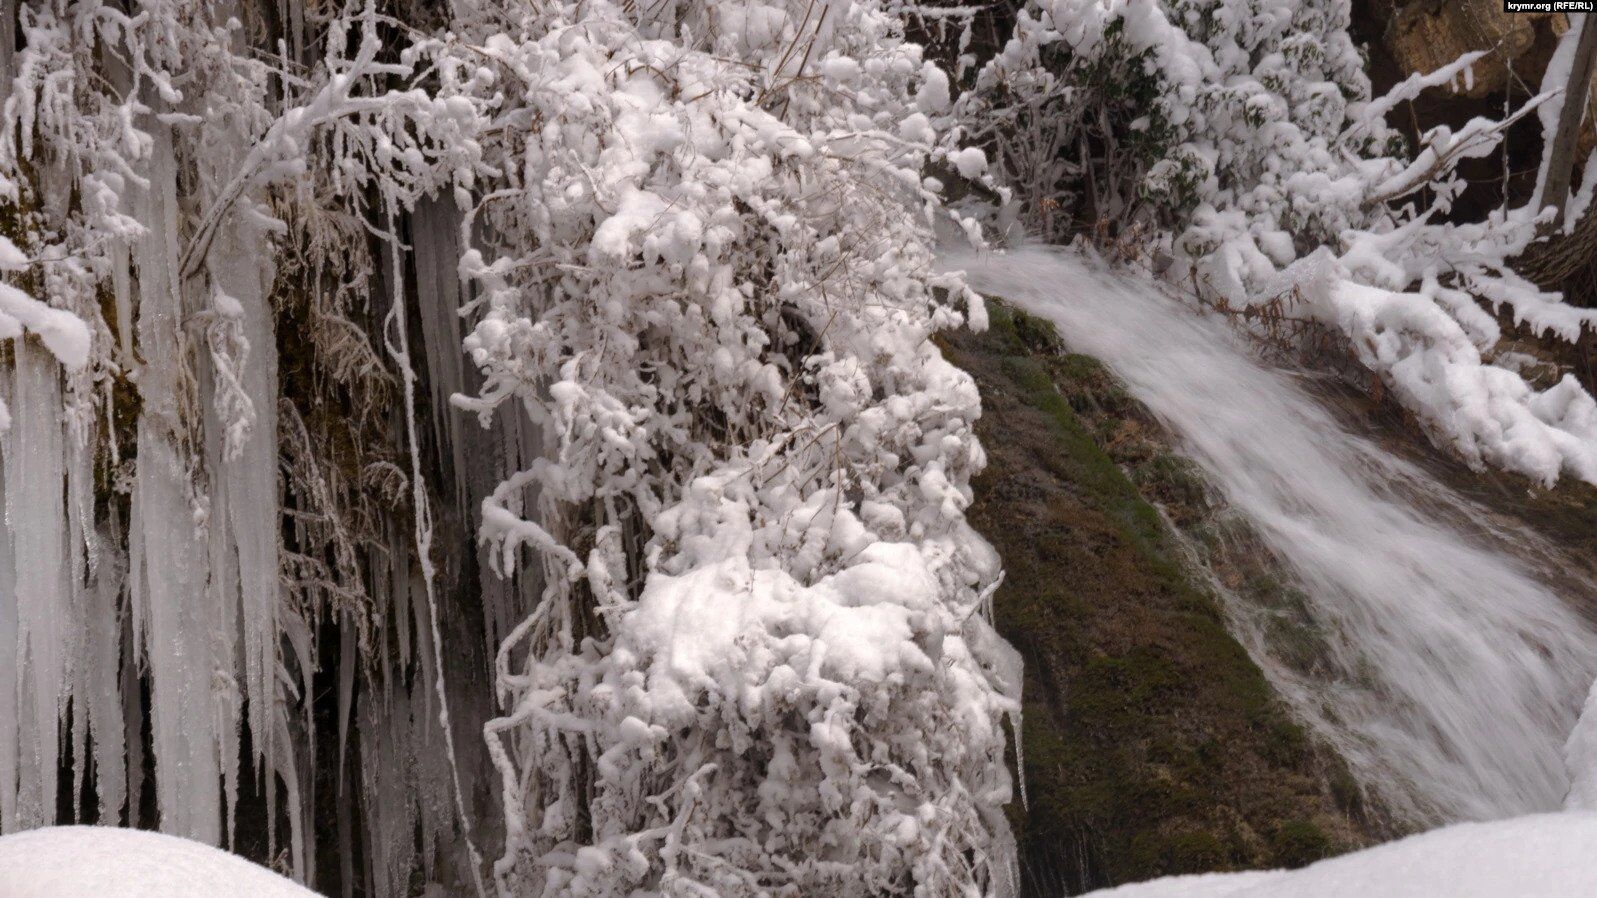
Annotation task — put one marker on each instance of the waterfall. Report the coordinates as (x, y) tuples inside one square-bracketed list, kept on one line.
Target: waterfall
[(1452, 669)]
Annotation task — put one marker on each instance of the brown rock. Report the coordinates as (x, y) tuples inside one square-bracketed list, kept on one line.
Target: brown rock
[(1425, 35)]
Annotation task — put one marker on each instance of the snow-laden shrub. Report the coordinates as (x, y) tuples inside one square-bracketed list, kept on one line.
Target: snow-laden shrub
[(761, 663), (1156, 109), (1245, 132)]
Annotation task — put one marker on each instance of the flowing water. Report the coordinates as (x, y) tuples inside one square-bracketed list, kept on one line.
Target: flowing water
[(1449, 672)]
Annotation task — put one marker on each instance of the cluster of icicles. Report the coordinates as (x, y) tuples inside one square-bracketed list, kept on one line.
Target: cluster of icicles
[(184, 601), (157, 637)]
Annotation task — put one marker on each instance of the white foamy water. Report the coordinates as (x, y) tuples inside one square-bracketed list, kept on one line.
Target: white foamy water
[(1452, 672)]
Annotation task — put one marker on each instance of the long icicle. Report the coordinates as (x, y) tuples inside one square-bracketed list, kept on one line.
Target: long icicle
[(399, 349), (170, 561), (36, 515)]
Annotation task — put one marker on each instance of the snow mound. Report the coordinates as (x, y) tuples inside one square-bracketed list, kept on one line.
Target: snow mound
[(1539, 856), (107, 862)]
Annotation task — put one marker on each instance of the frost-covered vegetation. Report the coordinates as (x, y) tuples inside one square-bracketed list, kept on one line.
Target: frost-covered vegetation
[(501, 444)]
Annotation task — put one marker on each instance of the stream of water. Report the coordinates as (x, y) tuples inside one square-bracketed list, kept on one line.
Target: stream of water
[(1450, 672)]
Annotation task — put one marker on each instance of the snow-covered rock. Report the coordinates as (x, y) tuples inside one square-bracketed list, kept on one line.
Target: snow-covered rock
[(1539, 856), (108, 862)]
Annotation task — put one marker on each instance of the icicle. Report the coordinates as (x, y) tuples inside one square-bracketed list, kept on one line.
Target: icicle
[(301, 784), (10, 672), (435, 228), (177, 645), (480, 458), (296, 30), (348, 660), (8, 44), (132, 720), (388, 740), (79, 730), (82, 558), (299, 838), (222, 595), (102, 691), (171, 558), (36, 516), (96, 582), (240, 270), (399, 348), (122, 291)]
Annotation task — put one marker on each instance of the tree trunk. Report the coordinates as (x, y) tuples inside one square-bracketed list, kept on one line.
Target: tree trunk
[(1561, 162)]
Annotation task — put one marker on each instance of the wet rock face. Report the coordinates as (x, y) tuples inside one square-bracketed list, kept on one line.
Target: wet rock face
[(1151, 742)]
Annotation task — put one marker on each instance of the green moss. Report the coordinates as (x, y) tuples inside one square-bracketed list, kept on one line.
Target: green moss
[(1297, 843), (1345, 791), (1080, 459), (1037, 335), (1188, 852)]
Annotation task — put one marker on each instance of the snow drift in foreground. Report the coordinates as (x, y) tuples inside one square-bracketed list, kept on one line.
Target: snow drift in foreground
[(1540, 856), (108, 862)]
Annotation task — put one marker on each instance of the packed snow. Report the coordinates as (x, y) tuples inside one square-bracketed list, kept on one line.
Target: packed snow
[(110, 862), (1540, 856)]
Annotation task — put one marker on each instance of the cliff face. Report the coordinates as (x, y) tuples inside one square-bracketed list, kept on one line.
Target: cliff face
[(1152, 744)]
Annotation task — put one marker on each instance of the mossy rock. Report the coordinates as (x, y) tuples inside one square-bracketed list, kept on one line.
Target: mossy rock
[(1298, 843)]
